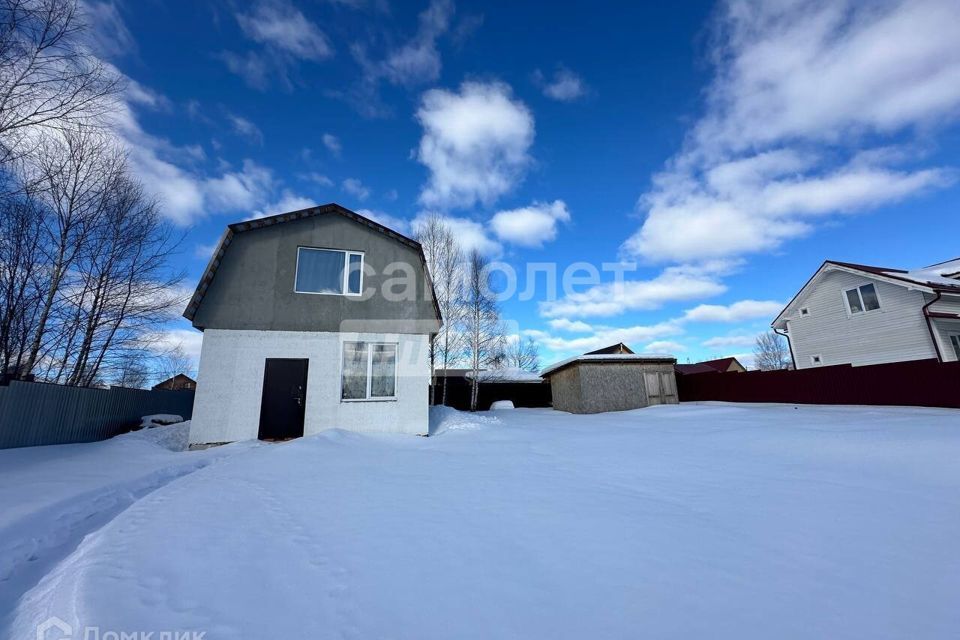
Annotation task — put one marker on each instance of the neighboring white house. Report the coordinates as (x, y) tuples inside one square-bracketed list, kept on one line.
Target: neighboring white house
[(312, 320), (859, 314)]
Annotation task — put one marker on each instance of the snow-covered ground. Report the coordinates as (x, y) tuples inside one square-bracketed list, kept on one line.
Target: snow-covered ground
[(719, 521)]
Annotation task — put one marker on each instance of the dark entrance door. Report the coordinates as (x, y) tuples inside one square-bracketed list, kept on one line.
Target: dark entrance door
[(284, 398)]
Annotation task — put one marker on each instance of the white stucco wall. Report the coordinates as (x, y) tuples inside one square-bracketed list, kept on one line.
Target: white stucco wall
[(230, 384)]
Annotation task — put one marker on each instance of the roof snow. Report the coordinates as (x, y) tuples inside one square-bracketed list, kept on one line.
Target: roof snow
[(609, 357), (507, 374)]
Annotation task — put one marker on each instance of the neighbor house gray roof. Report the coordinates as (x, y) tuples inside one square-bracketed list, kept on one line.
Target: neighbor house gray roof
[(259, 223)]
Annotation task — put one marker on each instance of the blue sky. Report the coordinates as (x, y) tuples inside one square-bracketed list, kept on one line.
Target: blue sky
[(724, 149)]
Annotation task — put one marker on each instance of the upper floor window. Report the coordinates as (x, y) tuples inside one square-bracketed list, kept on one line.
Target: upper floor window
[(863, 298), (329, 271)]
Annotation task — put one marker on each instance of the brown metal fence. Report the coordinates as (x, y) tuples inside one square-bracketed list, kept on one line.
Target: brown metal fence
[(924, 383), (33, 413)]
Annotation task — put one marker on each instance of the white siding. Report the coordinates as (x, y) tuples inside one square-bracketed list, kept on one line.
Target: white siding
[(896, 332), (944, 329), (946, 304), (230, 384)]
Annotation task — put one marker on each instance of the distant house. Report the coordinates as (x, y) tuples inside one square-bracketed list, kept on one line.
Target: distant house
[(860, 315), (614, 348), (720, 365), (303, 329), (179, 382)]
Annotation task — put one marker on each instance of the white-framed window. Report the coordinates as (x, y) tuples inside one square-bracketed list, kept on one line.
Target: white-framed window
[(816, 360), (804, 311), (955, 343), (329, 271), (862, 299), (369, 371)]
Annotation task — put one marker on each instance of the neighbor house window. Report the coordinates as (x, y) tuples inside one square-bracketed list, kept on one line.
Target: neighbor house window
[(955, 343), (816, 360), (863, 298), (804, 311), (369, 371), (329, 271)]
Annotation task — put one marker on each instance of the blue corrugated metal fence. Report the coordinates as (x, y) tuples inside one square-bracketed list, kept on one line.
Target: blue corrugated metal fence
[(33, 413)]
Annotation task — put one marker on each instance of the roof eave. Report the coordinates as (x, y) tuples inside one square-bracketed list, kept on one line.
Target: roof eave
[(830, 265)]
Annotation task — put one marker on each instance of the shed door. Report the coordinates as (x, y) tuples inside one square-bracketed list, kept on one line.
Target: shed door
[(284, 398), (668, 387), (652, 382)]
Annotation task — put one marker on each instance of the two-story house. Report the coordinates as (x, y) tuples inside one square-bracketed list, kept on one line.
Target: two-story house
[(859, 314), (312, 320)]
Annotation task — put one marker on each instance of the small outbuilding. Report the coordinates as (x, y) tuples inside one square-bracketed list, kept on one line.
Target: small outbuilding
[(598, 382)]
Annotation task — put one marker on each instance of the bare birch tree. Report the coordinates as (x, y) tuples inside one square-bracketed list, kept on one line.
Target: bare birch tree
[(84, 254), (48, 77), (771, 352), (76, 171), (445, 264), (523, 354), (481, 321), (20, 233)]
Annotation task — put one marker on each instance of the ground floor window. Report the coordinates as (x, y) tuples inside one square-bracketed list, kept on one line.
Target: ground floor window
[(955, 343), (369, 371)]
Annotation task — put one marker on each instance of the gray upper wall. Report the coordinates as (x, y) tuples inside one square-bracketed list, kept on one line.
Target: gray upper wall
[(250, 281)]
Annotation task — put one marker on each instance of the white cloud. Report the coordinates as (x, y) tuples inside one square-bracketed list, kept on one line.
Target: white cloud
[(190, 340), (470, 234), (187, 193), (565, 324), (530, 226), (664, 346), (332, 143), (204, 251), (671, 285), (802, 92), (736, 312), (283, 28), (254, 68), (288, 38), (354, 187), (603, 336), (239, 190), (721, 342), (107, 34), (565, 86), (416, 61), (246, 128), (319, 178), (475, 143), (388, 220), (288, 202)]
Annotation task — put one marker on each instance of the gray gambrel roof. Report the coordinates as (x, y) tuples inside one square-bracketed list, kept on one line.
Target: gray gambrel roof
[(259, 223)]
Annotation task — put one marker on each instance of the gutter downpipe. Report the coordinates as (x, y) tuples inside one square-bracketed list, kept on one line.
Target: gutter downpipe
[(789, 345), (933, 336)]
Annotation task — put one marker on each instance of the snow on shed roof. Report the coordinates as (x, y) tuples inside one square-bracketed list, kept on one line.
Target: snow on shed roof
[(610, 357), (509, 374)]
